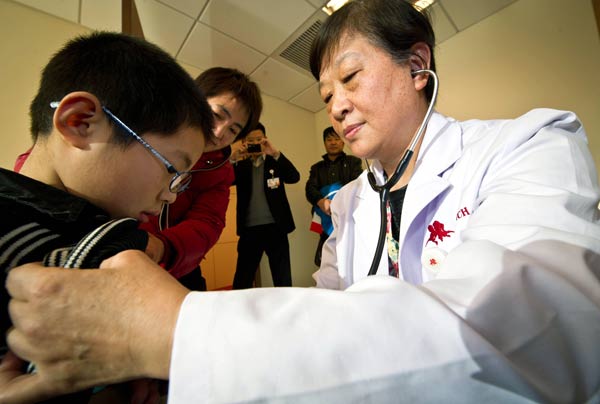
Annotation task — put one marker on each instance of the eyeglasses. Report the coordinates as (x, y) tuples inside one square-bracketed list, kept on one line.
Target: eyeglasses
[(180, 181)]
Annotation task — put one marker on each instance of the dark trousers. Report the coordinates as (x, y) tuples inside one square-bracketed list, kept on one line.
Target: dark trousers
[(322, 239), (253, 242)]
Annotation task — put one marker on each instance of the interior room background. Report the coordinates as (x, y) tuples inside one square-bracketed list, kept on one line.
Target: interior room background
[(531, 53)]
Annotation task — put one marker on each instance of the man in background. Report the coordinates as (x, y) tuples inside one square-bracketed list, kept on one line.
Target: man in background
[(327, 176), (264, 217)]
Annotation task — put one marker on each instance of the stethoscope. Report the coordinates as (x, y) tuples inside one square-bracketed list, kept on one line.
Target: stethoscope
[(163, 217), (384, 189)]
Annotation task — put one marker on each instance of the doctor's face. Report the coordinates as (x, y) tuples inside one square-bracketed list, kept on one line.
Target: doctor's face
[(371, 99)]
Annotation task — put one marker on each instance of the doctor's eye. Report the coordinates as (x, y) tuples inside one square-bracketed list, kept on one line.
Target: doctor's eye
[(349, 77)]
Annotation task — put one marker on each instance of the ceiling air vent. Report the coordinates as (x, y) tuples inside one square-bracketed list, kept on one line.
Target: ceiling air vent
[(295, 51), (298, 52)]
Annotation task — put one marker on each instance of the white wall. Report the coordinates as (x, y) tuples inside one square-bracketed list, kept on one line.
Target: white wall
[(533, 53), (29, 38)]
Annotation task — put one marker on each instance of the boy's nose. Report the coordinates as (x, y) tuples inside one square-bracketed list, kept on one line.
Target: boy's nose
[(168, 196)]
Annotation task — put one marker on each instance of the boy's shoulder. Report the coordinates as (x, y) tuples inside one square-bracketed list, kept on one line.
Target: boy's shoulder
[(37, 218), (21, 193)]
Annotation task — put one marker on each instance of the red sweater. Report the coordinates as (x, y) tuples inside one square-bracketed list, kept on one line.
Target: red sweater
[(197, 217)]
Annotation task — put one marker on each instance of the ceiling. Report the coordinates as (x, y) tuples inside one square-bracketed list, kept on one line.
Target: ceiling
[(249, 35)]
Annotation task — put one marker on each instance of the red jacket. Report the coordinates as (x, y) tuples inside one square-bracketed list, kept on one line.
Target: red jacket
[(21, 160), (197, 217)]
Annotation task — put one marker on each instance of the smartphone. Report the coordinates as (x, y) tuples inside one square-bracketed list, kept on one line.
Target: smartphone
[(254, 148)]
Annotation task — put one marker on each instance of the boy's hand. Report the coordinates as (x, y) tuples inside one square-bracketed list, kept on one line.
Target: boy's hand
[(85, 328)]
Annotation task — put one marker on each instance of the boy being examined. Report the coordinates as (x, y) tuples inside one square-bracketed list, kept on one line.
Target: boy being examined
[(116, 124)]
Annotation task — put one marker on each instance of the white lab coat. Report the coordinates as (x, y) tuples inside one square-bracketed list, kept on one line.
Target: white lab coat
[(492, 324), (507, 181)]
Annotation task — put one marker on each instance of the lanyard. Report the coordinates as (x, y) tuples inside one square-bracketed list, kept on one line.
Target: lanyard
[(392, 244)]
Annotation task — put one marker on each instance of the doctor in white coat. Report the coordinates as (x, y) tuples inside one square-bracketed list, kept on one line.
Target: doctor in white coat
[(507, 181), (494, 295)]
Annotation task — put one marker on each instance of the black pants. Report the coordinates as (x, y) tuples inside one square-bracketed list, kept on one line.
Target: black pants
[(253, 242), (322, 239)]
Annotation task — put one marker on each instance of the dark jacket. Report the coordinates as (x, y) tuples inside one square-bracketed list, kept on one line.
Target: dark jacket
[(276, 197), (39, 221), (343, 169)]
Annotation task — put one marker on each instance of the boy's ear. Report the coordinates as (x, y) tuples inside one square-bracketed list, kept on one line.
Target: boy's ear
[(76, 118)]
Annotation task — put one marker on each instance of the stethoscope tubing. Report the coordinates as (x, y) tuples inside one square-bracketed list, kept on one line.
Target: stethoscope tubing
[(384, 189)]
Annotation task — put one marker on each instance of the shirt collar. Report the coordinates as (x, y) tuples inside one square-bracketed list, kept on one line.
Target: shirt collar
[(259, 161), (326, 157)]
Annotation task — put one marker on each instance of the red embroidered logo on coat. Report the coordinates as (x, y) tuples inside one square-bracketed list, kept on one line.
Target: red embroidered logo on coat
[(437, 231)]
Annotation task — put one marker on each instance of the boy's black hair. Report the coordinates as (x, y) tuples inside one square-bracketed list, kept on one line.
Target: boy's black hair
[(221, 80), (329, 131), (392, 25), (136, 80)]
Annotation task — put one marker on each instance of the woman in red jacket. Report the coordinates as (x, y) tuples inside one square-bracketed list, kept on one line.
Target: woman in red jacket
[(188, 228)]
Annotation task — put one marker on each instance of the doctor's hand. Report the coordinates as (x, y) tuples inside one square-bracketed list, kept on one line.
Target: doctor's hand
[(86, 328)]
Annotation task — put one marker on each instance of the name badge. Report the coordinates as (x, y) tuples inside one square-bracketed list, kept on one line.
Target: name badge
[(273, 182)]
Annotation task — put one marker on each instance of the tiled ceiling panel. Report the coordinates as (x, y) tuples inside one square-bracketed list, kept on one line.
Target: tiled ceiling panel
[(190, 7), (317, 3), (101, 15), (279, 80), (465, 13), (309, 99), (262, 24), (245, 34), (163, 25), (66, 9), (207, 48), (442, 26)]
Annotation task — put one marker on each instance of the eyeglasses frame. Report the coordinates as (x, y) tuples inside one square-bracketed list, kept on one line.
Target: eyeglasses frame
[(170, 167)]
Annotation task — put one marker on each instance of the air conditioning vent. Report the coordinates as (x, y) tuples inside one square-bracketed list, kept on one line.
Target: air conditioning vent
[(298, 52), (294, 52)]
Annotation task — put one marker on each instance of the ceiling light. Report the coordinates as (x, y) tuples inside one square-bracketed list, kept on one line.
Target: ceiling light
[(333, 5), (422, 4)]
